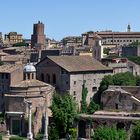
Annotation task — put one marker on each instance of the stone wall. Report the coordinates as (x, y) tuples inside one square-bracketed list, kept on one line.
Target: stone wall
[(121, 100), (91, 81)]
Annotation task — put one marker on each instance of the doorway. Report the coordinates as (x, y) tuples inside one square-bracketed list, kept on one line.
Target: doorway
[(82, 129), (16, 126)]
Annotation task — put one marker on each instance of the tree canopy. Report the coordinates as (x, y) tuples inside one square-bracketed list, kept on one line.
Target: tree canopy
[(64, 111), (19, 44), (92, 107), (106, 51), (136, 131), (135, 59), (108, 133), (135, 43), (83, 101)]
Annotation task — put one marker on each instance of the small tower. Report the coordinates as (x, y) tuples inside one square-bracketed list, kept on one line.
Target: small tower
[(38, 38), (128, 28), (29, 72)]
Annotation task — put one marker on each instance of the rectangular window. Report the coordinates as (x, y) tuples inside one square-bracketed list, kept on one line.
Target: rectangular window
[(74, 82), (116, 106), (84, 81), (74, 93), (94, 81), (94, 89)]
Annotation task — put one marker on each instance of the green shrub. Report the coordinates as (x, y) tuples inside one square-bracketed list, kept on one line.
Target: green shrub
[(109, 133), (39, 136), (136, 131), (73, 133), (1, 117), (0, 137), (53, 134), (15, 138)]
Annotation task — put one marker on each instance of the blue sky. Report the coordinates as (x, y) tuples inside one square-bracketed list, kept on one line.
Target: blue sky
[(68, 17)]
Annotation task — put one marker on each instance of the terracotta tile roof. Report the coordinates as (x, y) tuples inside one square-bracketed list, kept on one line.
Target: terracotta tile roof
[(78, 63), (31, 83), (8, 68), (13, 58)]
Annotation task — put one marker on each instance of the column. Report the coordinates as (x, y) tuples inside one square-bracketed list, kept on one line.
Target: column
[(46, 121), (30, 135), (46, 126)]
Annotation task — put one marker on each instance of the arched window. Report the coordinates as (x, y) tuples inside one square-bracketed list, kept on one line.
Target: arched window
[(42, 77), (54, 79), (48, 78)]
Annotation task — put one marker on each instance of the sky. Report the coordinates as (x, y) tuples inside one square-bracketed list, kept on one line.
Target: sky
[(68, 17)]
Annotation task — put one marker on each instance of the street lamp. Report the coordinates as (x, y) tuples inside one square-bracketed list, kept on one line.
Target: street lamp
[(29, 104)]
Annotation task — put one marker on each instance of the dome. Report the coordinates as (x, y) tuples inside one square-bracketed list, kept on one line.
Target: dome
[(29, 68)]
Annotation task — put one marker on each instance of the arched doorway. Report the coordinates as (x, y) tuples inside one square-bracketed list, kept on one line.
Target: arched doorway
[(120, 125), (82, 129)]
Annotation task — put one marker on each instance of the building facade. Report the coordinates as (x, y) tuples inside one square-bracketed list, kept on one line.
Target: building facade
[(111, 37), (28, 94), (1, 39), (134, 68), (38, 38), (128, 51), (119, 65), (13, 37), (70, 73), (9, 75)]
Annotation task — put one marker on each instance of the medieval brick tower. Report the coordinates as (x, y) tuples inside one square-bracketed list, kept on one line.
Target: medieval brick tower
[(38, 38)]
